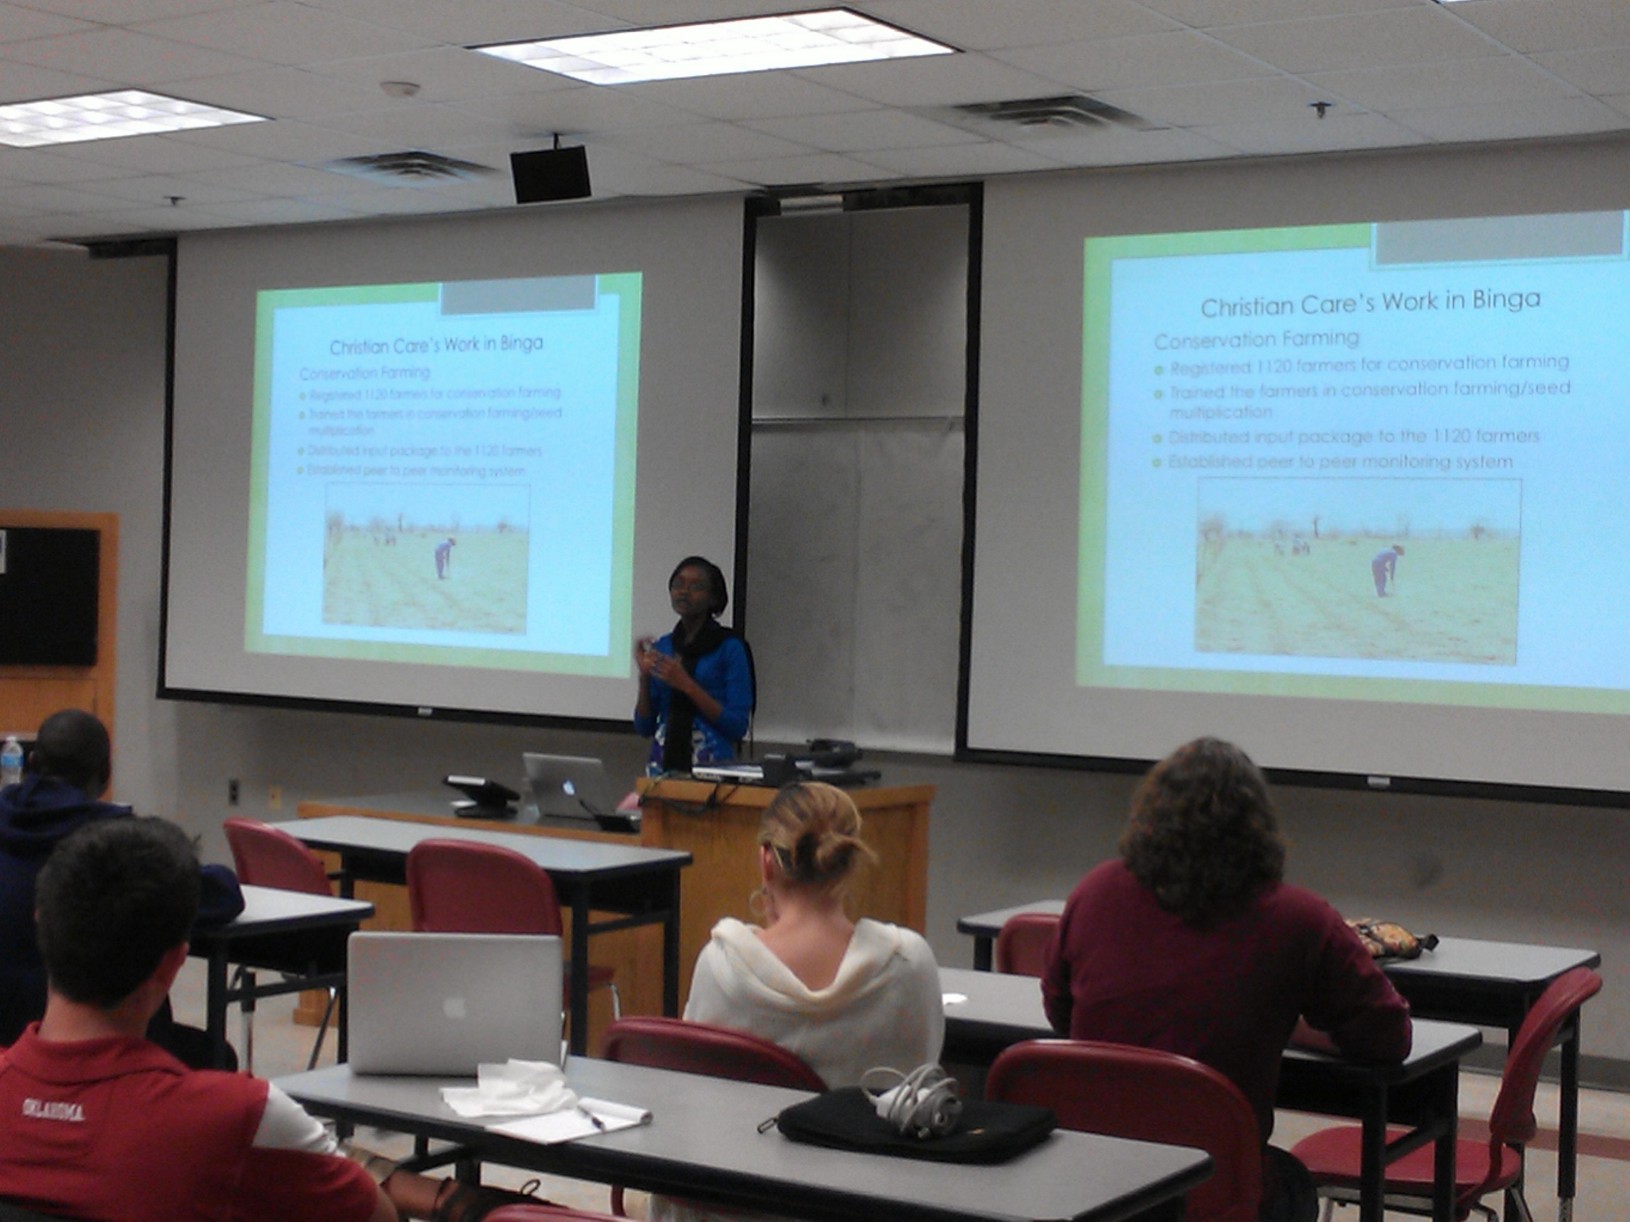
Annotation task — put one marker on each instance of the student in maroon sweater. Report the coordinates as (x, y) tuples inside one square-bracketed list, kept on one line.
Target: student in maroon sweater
[(1193, 943)]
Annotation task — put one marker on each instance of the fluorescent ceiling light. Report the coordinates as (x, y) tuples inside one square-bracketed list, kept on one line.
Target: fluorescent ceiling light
[(713, 48), (106, 116)]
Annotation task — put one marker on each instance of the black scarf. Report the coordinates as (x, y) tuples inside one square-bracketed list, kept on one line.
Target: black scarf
[(676, 742)]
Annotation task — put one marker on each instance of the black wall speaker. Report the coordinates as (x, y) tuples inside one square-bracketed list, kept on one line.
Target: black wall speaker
[(550, 174)]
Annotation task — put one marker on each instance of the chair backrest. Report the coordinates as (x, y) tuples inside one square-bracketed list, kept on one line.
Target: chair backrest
[(1512, 1120), (1148, 1095), (265, 856), (720, 1052), (1021, 943), (455, 886)]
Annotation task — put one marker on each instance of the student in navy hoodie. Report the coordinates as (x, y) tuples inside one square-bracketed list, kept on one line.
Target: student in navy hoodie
[(61, 791)]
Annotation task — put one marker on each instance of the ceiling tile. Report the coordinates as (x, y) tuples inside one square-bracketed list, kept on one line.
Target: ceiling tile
[(1309, 134), (863, 130), (1276, 98), (25, 83), (1524, 120), (703, 142), (1394, 36), (18, 24), (1462, 83), (934, 82), (818, 168), (744, 95), (285, 32), (1210, 15), (1602, 71), (1157, 59), (960, 161), (125, 57), (982, 25), (1573, 25)]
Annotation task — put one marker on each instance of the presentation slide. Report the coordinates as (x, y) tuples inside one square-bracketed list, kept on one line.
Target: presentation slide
[(1374, 462), (1326, 460), (445, 472), (442, 466)]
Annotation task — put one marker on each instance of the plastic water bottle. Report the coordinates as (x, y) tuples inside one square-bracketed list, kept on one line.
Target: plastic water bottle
[(11, 761)]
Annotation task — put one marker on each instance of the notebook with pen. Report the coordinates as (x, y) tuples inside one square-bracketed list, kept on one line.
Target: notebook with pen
[(443, 1003)]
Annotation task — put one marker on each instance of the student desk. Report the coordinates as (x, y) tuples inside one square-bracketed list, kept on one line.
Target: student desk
[(704, 1142), (282, 931), (1464, 980), (1422, 1092), (642, 885)]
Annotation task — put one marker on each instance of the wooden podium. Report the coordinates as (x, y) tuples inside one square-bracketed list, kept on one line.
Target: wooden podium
[(718, 825)]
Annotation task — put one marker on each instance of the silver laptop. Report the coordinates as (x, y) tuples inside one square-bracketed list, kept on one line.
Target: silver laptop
[(568, 786), (443, 1003)]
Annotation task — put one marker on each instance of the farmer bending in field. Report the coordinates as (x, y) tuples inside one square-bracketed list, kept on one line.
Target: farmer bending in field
[(1384, 566), (444, 558)]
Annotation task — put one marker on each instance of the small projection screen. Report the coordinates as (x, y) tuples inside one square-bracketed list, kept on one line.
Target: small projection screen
[(1348, 493), (446, 466)]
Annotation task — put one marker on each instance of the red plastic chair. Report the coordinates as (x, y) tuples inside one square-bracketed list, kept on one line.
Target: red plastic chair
[(1022, 942), (265, 856), (455, 886), (1148, 1095), (704, 1048), (1333, 1155)]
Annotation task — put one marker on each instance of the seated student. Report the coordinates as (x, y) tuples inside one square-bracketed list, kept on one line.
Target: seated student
[(98, 1123), (1192, 943), (846, 996), (62, 791)]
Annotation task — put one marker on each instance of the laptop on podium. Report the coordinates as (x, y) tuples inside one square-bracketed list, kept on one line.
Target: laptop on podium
[(443, 1003), (568, 786)]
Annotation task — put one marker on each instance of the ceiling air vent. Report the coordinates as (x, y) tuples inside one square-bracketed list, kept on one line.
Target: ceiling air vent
[(1065, 114), (415, 167)]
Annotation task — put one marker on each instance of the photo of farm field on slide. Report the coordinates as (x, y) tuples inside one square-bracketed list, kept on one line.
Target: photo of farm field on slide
[(1301, 567), (419, 560)]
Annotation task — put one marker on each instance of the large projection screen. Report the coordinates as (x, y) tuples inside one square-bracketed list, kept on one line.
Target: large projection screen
[(445, 466), (1346, 488)]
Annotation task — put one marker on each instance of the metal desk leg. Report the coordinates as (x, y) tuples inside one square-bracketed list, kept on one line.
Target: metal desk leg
[(670, 950), (982, 954), (1567, 1127), (1443, 1155), (578, 1001), (1372, 1167), (215, 1006)]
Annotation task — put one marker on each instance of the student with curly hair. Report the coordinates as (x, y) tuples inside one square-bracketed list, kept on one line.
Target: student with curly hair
[(1193, 943)]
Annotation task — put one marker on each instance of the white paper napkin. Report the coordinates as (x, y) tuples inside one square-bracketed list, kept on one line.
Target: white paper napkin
[(515, 1088)]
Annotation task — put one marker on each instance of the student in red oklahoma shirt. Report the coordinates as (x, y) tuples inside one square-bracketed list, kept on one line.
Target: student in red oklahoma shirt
[(100, 1124), (1191, 943)]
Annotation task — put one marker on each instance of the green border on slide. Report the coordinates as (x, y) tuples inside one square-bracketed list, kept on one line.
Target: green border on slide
[(1100, 256), (626, 287)]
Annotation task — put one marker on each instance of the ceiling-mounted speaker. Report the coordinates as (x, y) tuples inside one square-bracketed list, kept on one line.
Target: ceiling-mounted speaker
[(550, 174)]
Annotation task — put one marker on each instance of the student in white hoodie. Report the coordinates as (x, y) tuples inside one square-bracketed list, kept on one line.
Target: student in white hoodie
[(845, 995)]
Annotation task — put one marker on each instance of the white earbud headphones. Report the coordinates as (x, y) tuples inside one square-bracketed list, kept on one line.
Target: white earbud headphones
[(923, 1103)]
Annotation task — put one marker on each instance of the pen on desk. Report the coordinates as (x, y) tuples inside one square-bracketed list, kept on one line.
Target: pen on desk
[(599, 1125)]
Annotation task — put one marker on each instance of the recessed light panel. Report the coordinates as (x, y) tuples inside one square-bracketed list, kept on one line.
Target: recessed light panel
[(750, 44), (107, 116)]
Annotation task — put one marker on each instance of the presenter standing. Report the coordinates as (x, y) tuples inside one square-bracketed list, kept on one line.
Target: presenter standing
[(696, 691)]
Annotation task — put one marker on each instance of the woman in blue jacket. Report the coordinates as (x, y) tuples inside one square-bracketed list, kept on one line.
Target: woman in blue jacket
[(696, 691)]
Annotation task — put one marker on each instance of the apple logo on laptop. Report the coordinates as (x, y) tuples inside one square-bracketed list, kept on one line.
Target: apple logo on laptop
[(569, 789), (454, 1007)]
